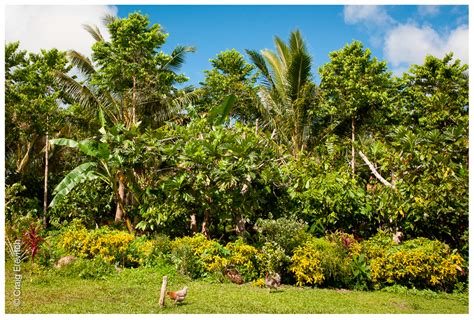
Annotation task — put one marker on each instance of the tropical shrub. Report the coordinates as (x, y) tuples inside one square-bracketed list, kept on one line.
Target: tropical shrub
[(307, 265), (420, 263), (245, 258), (33, 240), (21, 210), (321, 262), (274, 258), (112, 246), (327, 198), (197, 256), (287, 233), (193, 256), (91, 203)]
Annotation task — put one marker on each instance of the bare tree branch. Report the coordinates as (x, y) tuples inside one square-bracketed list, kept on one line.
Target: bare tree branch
[(374, 171)]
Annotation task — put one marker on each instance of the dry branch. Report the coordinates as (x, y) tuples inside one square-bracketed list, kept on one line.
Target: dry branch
[(374, 171)]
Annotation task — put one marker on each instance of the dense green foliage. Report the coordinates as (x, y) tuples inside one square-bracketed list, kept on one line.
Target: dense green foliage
[(260, 169)]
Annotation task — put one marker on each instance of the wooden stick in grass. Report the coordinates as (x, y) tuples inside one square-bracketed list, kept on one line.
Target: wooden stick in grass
[(163, 291)]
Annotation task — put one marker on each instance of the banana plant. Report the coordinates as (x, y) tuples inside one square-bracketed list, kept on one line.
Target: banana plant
[(107, 164)]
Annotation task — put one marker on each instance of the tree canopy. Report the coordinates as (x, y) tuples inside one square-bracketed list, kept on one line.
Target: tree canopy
[(362, 150)]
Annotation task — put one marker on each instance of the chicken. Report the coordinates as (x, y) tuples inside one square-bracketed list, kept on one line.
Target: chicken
[(272, 282), (178, 296), (233, 275)]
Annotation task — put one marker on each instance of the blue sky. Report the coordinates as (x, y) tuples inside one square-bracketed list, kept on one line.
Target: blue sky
[(326, 28), (401, 35)]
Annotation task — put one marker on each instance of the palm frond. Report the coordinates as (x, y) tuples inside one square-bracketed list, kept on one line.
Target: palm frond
[(296, 42), (108, 19), (177, 57), (283, 51), (77, 92), (299, 73), (94, 32), (259, 61), (81, 62), (278, 72)]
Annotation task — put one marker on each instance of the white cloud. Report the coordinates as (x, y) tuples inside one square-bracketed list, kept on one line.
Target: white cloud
[(370, 16), (409, 44), (427, 10), (46, 27)]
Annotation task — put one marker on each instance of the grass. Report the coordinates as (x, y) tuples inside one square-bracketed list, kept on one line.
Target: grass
[(138, 290)]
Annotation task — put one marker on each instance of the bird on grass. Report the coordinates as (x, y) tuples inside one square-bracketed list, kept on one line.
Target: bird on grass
[(273, 281), (178, 296), (233, 275)]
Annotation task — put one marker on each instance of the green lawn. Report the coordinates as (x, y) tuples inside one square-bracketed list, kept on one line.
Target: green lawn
[(138, 290)]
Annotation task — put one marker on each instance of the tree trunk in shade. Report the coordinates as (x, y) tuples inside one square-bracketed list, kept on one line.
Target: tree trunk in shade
[(45, 194), (204, 230), (120, 199), (194, 226)]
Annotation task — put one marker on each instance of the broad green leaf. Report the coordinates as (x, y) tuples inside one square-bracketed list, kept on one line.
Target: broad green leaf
[(64, 142), (78, 175), (221, 112)]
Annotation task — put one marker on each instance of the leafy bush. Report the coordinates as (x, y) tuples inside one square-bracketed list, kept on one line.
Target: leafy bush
[(360, 272), (191, 255), (420, 263), (287, 233), (275, 258), (307, 265), (20, 211), (91, 203), (197, 256), (185, 261), (245, 258), (112, 246)]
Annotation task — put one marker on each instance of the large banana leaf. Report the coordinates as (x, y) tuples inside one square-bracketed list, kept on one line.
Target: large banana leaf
[(221, 112), (86, 146), (80, 174), (64, 142)]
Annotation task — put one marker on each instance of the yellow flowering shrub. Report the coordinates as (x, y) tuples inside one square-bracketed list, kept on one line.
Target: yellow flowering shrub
[(110, 245), (419, 263), (322, 262), (246, 258), (306, 265)]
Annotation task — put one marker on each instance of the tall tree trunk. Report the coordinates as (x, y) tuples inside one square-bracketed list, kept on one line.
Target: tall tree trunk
[(205, 222), (353, 147), (45, 194), (120, 199), (194, 226)]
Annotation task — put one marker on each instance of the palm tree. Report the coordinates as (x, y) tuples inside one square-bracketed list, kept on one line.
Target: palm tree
[(288, 92), (123, 106)]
